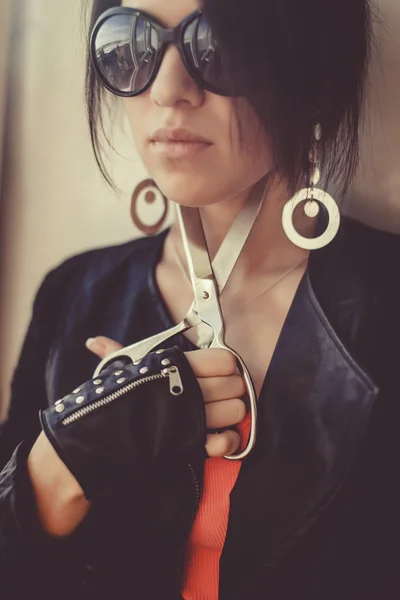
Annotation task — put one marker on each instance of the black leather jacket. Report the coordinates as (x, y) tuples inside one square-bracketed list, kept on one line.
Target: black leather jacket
[(315, 511)]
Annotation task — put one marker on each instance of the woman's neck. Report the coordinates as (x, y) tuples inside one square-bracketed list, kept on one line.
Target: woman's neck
[(267, 248)]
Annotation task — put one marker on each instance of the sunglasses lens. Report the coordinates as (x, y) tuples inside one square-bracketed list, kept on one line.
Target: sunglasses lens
[(124, 49), (204, 56)]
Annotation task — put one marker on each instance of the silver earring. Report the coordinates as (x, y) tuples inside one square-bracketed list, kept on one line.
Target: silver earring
[(312, 197)]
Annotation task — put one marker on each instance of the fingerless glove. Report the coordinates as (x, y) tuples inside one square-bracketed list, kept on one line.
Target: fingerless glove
[(128, 419)]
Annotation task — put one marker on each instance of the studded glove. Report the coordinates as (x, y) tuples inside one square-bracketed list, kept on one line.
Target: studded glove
[(129, 418)]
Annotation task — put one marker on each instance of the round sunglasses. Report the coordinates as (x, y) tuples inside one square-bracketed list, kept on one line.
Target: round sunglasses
[(127, 47)]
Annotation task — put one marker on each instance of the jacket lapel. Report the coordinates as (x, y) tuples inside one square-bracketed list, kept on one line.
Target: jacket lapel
[(313, 411)]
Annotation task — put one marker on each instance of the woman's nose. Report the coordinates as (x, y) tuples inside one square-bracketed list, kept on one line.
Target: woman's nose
[(173, 84)]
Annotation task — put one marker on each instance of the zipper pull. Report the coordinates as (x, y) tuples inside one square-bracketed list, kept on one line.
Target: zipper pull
[(175, 381)]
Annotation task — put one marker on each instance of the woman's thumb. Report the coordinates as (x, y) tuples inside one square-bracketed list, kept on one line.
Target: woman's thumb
[(102, 346)]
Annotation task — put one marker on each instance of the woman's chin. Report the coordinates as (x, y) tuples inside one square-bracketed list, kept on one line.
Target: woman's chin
[(187, 192), (188, 200)]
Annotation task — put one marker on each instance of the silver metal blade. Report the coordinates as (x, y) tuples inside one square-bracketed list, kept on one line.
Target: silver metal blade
[(228, 254), (194, 243)]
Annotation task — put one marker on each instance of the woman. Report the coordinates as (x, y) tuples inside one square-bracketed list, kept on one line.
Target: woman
[(120, 500)]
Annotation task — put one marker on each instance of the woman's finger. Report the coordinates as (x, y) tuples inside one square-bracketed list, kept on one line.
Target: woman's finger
[(222, 444), (225, 413), (102, 346), (215, 389), (212, 362)]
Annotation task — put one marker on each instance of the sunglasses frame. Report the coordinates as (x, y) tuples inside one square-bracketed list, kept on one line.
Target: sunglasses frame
[(166, 37)]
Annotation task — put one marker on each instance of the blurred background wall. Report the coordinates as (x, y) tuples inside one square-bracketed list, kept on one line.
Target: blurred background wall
[(5, 7), (54, 202), (375, 197)]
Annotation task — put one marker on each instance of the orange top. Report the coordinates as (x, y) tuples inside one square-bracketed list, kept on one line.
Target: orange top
[(209, 530)]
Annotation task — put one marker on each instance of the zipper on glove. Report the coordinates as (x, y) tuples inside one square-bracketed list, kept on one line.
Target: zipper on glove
[(175, 388)]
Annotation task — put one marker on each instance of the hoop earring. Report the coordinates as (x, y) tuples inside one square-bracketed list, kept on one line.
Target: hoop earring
[(147, 192), (313, 198)]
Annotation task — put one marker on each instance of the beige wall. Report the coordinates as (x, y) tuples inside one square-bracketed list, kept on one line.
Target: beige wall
[(376, 195), (5, 11), (57, 203)]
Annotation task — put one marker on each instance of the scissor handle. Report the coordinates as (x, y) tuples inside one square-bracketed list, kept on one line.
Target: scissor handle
[(251, 392), (209, 308), (138, 350)]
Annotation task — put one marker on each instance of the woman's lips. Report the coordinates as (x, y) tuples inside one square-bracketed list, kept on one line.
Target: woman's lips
[(178, 142), (178, 148)]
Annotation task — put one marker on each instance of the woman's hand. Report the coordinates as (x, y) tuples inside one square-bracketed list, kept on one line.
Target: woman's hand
[(61, 504), (221, 386)]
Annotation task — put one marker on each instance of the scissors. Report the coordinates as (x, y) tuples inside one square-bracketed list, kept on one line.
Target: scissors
[(208, 282)]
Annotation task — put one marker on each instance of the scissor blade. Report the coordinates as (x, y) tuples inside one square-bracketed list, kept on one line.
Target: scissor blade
[(231, 248), (194, 243)]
